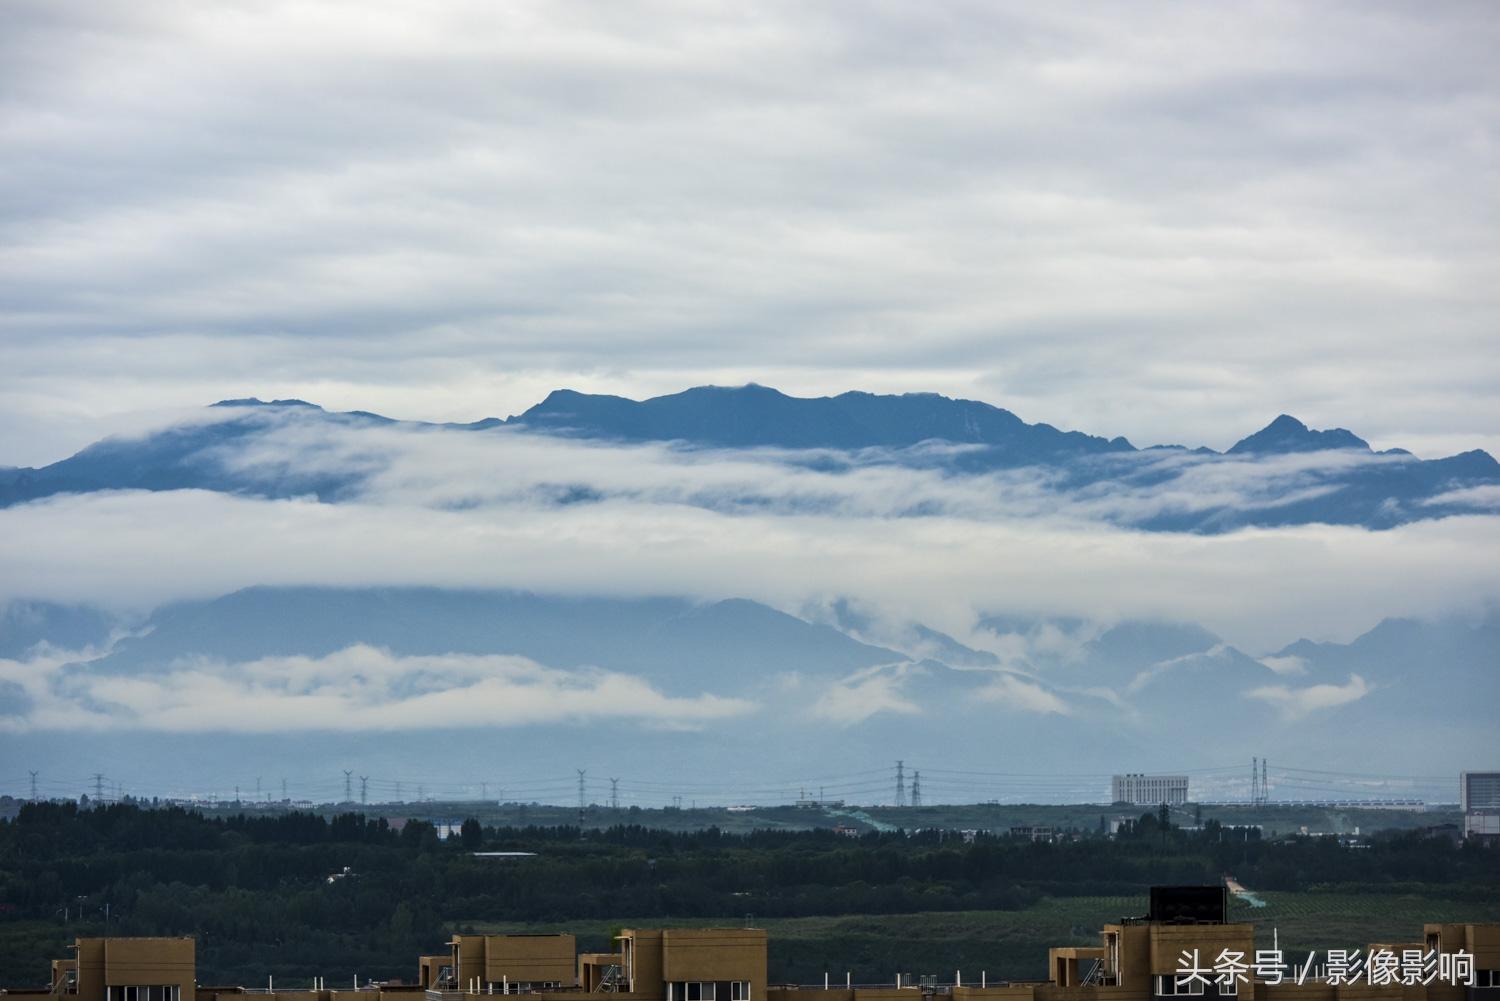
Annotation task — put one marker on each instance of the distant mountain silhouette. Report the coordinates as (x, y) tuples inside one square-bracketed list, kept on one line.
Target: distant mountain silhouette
[(677, 644), (1288, 434), (754, 415), (1354, 486)]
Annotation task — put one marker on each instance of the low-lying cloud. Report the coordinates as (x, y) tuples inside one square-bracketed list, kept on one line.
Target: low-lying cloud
[(357, 690), (1297, 703)]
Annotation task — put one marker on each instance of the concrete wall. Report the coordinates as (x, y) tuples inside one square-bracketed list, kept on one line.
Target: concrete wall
[(531, 959)]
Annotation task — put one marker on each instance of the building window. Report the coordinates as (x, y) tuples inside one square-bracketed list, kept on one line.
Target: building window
[(698, 990), (1230, 989), (1171, 985), (133, 992), (739, 990)]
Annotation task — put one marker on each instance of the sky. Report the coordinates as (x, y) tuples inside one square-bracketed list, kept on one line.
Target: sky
[(1166, 222)]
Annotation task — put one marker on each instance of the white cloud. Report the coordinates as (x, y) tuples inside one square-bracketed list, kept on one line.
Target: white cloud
[(358, 689), (864, 694), (1019, 694), (1257, 589), (1289, 664), (1296, 703), (1481, 498)]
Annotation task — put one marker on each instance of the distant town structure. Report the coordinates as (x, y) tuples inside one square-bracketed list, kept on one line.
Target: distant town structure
[(1479, 799), (1139, 789)]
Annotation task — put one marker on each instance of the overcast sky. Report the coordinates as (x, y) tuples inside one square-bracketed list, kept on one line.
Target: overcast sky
[(1170, 222)]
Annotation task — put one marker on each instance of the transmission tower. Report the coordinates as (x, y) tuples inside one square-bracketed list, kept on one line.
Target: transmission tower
[(614, 794), (916, 788), (364, 783), (98, 786), (33, 787), (348, 794), (1254, 781), (1265, 786), (283, 790), (900, 783)]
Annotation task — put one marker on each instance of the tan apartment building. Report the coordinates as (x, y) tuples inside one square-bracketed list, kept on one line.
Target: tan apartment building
[(128, 969), (1136, 959)]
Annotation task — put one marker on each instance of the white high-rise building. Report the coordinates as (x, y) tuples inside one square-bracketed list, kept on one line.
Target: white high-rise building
[(1478, 791), (1139, 789)]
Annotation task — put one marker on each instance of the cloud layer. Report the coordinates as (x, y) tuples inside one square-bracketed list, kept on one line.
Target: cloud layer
[(500, 509), (1125, 221), (356, 690)]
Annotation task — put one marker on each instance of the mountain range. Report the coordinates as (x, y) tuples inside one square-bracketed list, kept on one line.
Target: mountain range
[(748, 683), (1284, 474)]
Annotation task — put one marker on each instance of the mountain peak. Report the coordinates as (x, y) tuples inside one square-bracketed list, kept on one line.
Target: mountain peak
[(255, 401), (1287, 434)]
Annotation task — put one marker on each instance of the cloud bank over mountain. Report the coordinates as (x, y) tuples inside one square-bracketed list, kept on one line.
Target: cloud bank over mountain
[(936, 531)]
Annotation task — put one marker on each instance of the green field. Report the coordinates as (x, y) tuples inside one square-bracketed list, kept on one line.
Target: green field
[(1013, 944)]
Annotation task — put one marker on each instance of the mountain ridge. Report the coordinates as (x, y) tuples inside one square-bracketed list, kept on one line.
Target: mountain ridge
[(1356, 486)]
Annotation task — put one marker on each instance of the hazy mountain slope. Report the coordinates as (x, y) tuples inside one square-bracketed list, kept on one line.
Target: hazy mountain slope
[(675, 643)]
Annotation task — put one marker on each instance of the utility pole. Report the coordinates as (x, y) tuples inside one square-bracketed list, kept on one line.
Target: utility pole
[(33, 786), (614, 793), (364, 783), (916, 788), (900, 783), (348, 794)]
